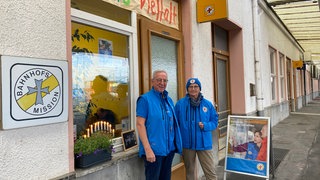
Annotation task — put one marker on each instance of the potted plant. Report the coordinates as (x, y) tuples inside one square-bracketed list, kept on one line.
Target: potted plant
[(92, 150)]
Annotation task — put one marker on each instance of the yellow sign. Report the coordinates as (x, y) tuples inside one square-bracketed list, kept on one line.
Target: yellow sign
[(210, 10), (297, 64)]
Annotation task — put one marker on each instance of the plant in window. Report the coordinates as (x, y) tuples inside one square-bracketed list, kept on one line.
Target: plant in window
[(98, 141), (93, 150)]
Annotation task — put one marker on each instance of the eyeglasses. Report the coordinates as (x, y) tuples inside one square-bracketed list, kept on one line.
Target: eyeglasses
[(193, 87), (161, 80)]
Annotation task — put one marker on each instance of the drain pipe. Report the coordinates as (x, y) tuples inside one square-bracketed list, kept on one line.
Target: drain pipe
[(257, 57)]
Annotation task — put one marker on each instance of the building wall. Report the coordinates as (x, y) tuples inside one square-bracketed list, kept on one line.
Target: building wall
[(34, 29), (272, 35)]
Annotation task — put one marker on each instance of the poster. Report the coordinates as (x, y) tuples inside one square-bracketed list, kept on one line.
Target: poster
[(248, 145), (105, 47)]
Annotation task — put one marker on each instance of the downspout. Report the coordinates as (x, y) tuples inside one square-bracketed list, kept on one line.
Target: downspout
[(257, 57), (304, 84)]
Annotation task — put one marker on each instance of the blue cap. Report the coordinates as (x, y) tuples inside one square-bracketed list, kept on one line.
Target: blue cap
[(193, 81)]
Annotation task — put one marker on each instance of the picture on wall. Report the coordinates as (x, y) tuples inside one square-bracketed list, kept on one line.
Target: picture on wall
[(105, 47), (248, 144)]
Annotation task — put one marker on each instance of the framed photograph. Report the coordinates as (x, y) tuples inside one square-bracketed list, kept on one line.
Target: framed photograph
[(248, 145), (129, 139), (105, 47)]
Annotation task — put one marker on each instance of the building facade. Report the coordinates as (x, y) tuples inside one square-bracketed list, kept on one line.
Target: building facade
[(107, 51)]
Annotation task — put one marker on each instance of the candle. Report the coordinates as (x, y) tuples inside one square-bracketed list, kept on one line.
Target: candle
[(88, 132), (104, 126), (107, 126), (113, 132), (91, 128), (110, 127), (95, 127), (84, 136)]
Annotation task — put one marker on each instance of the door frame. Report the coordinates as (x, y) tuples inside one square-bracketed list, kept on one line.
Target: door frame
[(218, 54), (147, 28)]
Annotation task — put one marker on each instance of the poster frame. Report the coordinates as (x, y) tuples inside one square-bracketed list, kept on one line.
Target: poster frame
[(241, 165)]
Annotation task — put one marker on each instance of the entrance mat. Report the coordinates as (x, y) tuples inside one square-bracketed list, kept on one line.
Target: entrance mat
[(278, 156)]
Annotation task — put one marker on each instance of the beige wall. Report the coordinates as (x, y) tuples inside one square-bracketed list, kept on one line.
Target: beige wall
[(34, 29)]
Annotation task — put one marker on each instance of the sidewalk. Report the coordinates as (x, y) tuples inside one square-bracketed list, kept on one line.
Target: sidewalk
[(296, 147)]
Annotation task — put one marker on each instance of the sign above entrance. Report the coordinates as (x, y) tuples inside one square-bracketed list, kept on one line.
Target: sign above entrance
[(161, 11), (210, 10), (34, 91)]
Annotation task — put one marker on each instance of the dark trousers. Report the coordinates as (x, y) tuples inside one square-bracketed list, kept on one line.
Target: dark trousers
[(160, 169)]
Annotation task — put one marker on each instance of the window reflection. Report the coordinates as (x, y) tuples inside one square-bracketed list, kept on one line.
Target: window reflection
[(100, 70)]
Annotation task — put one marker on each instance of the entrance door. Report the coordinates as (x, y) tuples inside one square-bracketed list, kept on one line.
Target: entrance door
[(221, 77), (161, 48), (221, 83)]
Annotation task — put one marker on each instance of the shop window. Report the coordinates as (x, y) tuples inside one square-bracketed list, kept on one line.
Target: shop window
[(100, 80)]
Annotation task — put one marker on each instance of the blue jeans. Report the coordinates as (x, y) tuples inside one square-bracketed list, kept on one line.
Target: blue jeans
[(160, 169)]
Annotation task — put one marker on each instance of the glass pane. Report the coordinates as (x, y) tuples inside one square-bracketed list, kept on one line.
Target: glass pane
[(222, 85), (100, 79), (164, 56), (272, 59), (103, 9), (220, 38), (273, 88)]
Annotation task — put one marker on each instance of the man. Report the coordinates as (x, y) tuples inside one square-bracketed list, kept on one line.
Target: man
[(158, 129), (197, 119), (262, 155)]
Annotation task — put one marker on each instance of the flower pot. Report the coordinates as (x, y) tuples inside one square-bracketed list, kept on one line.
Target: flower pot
[(88, 160)]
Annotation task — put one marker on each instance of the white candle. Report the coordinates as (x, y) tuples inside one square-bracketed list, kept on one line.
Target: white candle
[(88, 132), (107, 126), (110, 127), (104, 126), (91, 128), (113, 132)]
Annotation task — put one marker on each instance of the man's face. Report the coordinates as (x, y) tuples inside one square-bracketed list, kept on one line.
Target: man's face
[(159, 82)]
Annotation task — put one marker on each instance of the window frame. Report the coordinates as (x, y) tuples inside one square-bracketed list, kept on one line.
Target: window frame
[(79, 16), (273, 74), (282, 86)]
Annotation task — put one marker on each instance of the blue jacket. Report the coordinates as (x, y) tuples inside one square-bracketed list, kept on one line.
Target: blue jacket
[(189, 117), (160, 119), (252, 151)]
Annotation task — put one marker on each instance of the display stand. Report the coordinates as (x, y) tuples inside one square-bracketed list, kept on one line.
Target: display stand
[(248, 147)]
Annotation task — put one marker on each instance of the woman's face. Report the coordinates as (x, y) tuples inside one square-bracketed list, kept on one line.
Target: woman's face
[(257, 138)]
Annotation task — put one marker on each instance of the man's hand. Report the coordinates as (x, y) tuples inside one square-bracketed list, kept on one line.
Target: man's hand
[(150, 156), (201, 125)]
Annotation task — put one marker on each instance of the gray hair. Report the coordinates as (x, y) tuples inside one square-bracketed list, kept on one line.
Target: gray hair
[(158, 71)]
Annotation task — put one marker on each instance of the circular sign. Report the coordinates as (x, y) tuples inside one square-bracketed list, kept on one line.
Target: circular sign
[(37, 91)]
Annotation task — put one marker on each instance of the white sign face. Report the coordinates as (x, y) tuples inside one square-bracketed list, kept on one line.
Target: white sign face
[(34, 91)]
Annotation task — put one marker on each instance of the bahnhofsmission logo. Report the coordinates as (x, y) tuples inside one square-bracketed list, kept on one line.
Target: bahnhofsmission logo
[(37, 91)]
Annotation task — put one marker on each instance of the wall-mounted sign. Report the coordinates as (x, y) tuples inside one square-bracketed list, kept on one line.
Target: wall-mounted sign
[(209, 10), (34, 91), (161, 11), (297, 64)]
